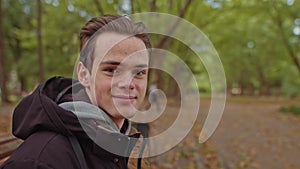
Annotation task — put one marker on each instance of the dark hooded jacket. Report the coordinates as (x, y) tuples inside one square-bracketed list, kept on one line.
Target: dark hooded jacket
[(46, 129)]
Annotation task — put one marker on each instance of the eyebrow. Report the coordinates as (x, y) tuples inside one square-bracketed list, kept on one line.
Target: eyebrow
[(119, 63), (110, 63)]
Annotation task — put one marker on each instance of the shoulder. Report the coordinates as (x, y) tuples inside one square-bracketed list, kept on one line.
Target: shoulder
[(41, 144), (25, 164), (45, 148)]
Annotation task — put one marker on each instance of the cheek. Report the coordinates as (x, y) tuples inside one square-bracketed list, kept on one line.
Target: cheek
[(143, 87), (103, 91)]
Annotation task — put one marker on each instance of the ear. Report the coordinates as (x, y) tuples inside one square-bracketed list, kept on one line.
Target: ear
[(83, 75)]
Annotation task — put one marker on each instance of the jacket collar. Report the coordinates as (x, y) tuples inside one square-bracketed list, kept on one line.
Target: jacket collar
[(109, 144), (108, 140)]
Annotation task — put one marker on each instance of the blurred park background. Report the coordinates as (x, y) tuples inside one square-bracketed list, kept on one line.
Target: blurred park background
[(258, 42)]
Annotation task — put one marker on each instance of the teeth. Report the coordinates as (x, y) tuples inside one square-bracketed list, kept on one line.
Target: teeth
[(124, 97)]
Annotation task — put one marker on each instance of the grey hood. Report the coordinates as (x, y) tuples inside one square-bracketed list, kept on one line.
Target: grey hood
[(86, 111), (101, 129)]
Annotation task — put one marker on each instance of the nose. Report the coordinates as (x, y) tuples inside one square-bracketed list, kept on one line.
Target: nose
[(125, 81)]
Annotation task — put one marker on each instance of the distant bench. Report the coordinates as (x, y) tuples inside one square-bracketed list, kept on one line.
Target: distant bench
[(8, 144)]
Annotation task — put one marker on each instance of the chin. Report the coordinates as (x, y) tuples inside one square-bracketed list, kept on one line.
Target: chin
[(128, 115), (127, 111)]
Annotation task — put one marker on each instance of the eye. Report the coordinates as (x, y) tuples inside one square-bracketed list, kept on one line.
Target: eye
[(140, 73), (110, 71)]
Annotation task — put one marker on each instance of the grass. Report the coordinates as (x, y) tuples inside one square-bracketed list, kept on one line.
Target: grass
[(291, 109)]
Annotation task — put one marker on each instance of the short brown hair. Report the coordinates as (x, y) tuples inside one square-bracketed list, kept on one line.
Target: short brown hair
[(109, 23)]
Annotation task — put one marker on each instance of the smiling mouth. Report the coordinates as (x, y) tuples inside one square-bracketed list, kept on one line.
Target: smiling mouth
[(124, 100), (124, 97)]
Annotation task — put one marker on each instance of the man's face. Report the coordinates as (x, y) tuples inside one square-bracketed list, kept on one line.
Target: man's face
[(118, 80)]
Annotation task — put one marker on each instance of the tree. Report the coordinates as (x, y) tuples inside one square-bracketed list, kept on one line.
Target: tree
[(275, 11), (3, 73), (40, 41), (248, 43), (163, 42), (253, 38)]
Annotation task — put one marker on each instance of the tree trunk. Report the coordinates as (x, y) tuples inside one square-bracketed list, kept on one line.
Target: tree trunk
[(250, 89), (242, 87), (288, 46), (3, 73), (170, 5), (153, 6), (163, 42), (40, 44), (18, 52), (172, 28), (132, 7)]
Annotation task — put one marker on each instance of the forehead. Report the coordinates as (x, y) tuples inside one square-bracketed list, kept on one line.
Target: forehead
[(121, 48)]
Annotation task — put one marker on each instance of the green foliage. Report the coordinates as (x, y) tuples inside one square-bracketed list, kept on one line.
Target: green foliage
[(250, 45), (245, 34), (291, 109)]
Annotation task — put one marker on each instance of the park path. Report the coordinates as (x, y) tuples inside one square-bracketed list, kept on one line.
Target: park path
[(188, 154), (253, 134)]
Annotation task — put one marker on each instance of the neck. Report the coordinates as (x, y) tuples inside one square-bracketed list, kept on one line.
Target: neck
[(92, 99), (119, 122)]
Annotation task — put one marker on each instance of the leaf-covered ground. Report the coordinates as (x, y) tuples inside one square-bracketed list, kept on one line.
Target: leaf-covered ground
[(188, 154), (252, 134)]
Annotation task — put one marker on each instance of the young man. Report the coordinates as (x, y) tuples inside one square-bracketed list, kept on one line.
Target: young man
[(67, 124)]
